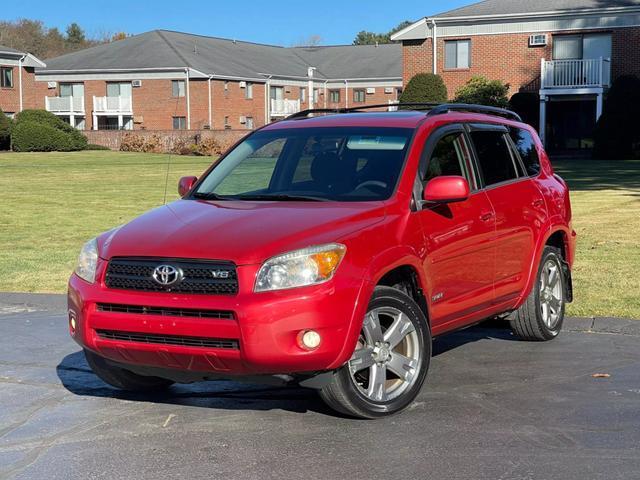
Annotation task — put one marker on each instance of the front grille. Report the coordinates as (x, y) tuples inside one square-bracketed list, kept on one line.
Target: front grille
[(227, 344), (164, 311), (199, 277)]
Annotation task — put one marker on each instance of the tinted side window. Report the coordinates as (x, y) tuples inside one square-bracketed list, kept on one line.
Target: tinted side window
[(526, 147), (450, 157), (494, 157)]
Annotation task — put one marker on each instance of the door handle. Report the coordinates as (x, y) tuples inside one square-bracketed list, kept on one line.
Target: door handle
[(486, 216), (538, 202)]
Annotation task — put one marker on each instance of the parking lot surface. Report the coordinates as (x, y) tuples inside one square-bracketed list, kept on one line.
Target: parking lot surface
[(492, 408)]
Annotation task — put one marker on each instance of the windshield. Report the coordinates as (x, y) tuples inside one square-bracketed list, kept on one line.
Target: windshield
[(312, 164)]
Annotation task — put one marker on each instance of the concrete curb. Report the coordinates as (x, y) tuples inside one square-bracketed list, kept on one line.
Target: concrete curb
[(619, 326), (57, 303)]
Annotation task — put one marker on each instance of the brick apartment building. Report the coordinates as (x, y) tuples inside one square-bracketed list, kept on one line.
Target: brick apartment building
[(17, 80), (162, 80), (566, 51)]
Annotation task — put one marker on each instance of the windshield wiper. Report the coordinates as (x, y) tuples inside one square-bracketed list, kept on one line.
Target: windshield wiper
[(210, 196), (283, 197)]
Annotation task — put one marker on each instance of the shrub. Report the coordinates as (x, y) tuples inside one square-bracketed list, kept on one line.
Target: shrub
[(481, 91), (5, 131), (617, 133), (42, 122), (527, 105), (424, 88), (140, 143), (38, 137)]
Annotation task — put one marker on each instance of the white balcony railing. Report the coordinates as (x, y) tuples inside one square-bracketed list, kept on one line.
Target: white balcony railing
[(282, 108), (68, 105), (112, 105), (585, 73)]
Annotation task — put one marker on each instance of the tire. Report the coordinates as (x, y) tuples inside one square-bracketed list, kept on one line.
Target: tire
[(541, 316), (383, 378), (124, 379)]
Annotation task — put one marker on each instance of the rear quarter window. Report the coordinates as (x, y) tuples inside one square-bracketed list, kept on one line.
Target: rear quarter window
[(526, 147)]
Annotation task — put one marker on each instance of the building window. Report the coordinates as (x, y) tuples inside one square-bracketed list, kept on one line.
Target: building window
[(359, 96), (316, 95), (179, 123), (6, 77), (334, 96), (248, 91), (226, 123), (303, 94), (249, 123), (457, 54), (177, 88)]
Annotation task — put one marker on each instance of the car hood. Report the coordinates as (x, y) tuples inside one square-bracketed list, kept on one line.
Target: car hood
[(242, 232)]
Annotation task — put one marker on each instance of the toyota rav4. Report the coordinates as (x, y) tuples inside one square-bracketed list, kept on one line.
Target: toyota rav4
[(328, 250)]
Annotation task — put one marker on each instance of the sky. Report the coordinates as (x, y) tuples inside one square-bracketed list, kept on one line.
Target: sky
[(279, 22)]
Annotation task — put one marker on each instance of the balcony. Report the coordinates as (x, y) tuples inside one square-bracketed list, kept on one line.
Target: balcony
[(65, 105), (576, 74), (283, 108), (112, 106)]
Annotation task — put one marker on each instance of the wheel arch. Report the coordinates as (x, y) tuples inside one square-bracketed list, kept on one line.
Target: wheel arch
[(558, 236)]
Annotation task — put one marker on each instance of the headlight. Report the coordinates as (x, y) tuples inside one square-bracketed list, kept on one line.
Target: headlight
[(300, 268), (87, 261)]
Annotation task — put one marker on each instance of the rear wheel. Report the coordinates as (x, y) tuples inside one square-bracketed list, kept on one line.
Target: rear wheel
[(540, 317), (390, 362), (124, 379)]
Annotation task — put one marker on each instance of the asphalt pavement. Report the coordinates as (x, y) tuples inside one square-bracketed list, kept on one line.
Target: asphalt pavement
[(493, 408)]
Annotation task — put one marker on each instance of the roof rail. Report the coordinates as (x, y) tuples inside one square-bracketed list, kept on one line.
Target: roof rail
[(464, 107), (432, 108)]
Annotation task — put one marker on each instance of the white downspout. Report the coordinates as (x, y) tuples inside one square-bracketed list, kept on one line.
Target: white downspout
[(267, 100), (186, 73), (210, 105), (310, 71), (346, 94), (434, 42), (20, 80)]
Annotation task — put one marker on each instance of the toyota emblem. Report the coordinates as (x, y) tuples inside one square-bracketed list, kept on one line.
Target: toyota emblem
[(167, 275)]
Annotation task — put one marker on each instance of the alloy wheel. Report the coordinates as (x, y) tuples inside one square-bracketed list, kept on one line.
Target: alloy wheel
[(387, 358), (551, 295)]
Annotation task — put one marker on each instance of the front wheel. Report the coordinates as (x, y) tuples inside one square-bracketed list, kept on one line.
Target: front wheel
[(390, 362)]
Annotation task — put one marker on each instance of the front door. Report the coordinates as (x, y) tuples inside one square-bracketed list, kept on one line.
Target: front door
[(458, 236)]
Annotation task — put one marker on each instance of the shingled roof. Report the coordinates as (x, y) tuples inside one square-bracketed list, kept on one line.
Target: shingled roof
[(163, 49), (514, 7)]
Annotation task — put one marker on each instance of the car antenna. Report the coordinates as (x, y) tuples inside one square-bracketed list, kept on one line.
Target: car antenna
[(166, 178)]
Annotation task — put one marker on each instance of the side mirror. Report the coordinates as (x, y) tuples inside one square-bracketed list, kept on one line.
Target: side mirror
[(446, 189), (185, 184)]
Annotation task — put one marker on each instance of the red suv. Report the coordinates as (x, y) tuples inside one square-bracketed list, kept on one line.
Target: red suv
[(328, 250)]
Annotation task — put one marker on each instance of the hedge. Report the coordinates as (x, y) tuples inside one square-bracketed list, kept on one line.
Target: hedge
[(424, 88), (39, 137), (42, 131)]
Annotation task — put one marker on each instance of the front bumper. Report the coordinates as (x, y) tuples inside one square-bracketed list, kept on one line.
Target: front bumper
[(265, 326)]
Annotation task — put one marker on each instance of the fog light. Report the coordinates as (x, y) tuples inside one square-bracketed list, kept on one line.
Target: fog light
[(72, 323), (309, 339)]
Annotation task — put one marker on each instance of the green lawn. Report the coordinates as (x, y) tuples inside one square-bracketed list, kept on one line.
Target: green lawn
[(51, 203)]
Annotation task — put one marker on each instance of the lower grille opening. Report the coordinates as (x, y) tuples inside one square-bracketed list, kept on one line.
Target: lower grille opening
[(227, 344), (164, 311)]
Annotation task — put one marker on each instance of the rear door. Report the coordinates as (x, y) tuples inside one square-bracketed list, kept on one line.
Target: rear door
[(518, 204), (459, 261)]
